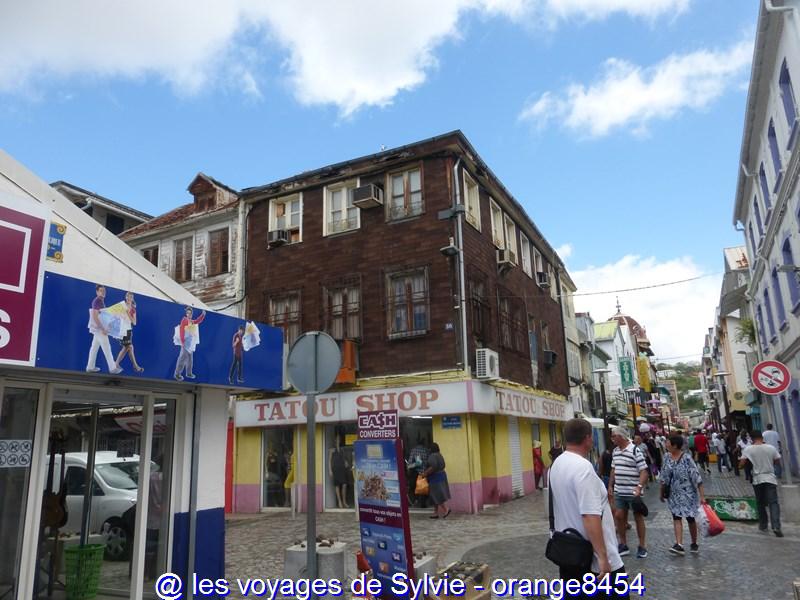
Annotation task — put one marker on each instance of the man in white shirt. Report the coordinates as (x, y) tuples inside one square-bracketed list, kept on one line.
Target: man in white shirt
[(773, 438), (763, 457), (580, 502)]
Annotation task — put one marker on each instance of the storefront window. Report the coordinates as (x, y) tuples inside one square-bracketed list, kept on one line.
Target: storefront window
[(417, 435), (17, 425), (158, 541), (100, 507), (278, 466), (339, 440)]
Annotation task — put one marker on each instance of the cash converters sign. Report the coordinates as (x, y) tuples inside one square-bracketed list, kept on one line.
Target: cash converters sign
[(22, 246)]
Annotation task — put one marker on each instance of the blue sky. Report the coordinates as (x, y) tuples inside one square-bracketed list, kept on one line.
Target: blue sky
[(617, 123)]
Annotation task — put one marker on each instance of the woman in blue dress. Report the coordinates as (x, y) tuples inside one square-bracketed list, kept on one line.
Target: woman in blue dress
[(682, 488)]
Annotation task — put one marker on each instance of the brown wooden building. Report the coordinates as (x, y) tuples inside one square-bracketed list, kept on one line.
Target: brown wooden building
[(368, 251)]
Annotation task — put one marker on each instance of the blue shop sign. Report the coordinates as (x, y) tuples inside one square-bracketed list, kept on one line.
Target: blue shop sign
[(451, 422), (87, 327)]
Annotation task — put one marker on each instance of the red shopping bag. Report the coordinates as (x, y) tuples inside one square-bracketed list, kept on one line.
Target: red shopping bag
[(715, 524)]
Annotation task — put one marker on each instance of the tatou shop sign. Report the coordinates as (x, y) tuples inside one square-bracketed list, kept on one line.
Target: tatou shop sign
[(518, 404), (422, 400)]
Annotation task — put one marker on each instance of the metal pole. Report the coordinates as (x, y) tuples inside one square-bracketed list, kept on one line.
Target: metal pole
[(606, 432), (89, 480), (311, 469), (726, 405), (193, 486)]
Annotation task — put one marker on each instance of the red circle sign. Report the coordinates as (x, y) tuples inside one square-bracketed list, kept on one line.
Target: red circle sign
[(771, 377)]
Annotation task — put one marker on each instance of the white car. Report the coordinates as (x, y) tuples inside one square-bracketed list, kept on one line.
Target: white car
[(114, 496)]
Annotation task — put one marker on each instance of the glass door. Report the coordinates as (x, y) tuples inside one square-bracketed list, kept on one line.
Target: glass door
[(17, 425)]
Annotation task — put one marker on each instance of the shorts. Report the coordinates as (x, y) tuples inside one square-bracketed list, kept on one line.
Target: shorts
[(689, 520), (623, 502)]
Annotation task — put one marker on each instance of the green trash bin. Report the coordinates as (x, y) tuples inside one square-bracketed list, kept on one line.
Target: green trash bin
[(82, 569)]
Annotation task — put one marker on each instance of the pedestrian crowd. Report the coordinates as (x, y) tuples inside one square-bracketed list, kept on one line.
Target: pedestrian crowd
[(590, 508)]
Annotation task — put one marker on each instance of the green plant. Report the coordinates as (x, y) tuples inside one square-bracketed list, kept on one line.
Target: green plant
[(746, 332)]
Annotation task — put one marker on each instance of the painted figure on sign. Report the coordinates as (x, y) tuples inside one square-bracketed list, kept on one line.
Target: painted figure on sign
[(187, 336), (100, 332), (238, 356), (127, 339)]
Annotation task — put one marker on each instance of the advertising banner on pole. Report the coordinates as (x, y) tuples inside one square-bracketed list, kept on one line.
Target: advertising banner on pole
[(93, 328), (383, 506), (626, 372)]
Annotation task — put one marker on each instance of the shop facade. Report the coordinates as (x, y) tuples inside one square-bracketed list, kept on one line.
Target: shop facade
[(486, 433), (101, 445)]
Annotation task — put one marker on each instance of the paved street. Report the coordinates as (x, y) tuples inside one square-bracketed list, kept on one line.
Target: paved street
[(511, 539)]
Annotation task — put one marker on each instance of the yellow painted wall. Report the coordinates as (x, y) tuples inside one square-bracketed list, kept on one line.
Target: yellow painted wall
[(453, 444), (546, 443), (247, 459)]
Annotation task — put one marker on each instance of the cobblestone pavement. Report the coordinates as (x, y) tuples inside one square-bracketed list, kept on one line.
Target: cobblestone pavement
[(742, 563)]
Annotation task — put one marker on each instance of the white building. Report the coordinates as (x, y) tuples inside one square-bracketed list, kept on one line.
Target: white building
[(573, 345), (768, 203), (200, 244), (608, 337)]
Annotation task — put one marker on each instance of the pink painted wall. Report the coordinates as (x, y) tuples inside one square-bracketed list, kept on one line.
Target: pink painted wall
[(247, 497)]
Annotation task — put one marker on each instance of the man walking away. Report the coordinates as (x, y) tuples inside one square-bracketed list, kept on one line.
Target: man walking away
[(763, 458), (721, 448), (773, 438), (628, 477), (580, 503), (701, 446)]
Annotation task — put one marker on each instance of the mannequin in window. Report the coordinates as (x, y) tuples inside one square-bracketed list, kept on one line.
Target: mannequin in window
[(338, 467)]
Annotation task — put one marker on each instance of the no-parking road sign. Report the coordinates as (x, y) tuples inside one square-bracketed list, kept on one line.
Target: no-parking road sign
[(771, 377)]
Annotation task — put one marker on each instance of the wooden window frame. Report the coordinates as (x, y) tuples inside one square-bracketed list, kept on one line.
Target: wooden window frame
[(473, 217), (343, 286), (407, 299), (286, 319), (480, 309), (327, 228), (408, 212), (179, 274), (273, 218), (150, 253), (221, 263)]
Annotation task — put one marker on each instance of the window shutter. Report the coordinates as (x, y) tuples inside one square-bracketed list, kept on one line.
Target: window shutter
[(179, 261)]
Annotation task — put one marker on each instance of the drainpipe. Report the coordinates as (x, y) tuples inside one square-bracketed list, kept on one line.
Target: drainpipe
[(193, 494), (461, 285), (772, 8)]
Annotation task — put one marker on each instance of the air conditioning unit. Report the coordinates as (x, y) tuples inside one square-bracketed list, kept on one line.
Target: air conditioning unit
[(505, 259), (487, 364), (549, 358), (543, 279), (368, 196), (279, 237)]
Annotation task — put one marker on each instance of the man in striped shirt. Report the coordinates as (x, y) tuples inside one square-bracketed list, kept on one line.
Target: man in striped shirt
[(628, 478)]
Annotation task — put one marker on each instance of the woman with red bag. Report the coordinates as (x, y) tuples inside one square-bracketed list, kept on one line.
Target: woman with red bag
[(682, 488)]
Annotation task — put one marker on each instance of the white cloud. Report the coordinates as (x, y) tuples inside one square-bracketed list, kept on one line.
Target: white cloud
[(349, 53), (676, 317), (599, 9), (564, 251), (627, 95)]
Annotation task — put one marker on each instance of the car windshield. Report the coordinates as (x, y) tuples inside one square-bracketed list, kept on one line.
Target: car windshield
[(116, 477)]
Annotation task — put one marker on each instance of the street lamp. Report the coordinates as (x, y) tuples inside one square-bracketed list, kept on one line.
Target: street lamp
[(601, 374), (722, 375)]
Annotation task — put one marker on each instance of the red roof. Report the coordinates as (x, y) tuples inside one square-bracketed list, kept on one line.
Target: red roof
[(174, 217)]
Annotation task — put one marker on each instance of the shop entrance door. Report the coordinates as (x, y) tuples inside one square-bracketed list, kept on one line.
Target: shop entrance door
[(516, 458), (18, 408), (108, 457)]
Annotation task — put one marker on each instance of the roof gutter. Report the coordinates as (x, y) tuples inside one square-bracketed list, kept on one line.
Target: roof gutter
[(772, 8)]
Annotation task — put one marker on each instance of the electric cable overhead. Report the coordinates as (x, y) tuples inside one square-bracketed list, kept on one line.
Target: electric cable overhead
[(648, 287)]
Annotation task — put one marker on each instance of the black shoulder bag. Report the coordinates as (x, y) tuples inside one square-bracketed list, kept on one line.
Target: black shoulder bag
[(568, 548)]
